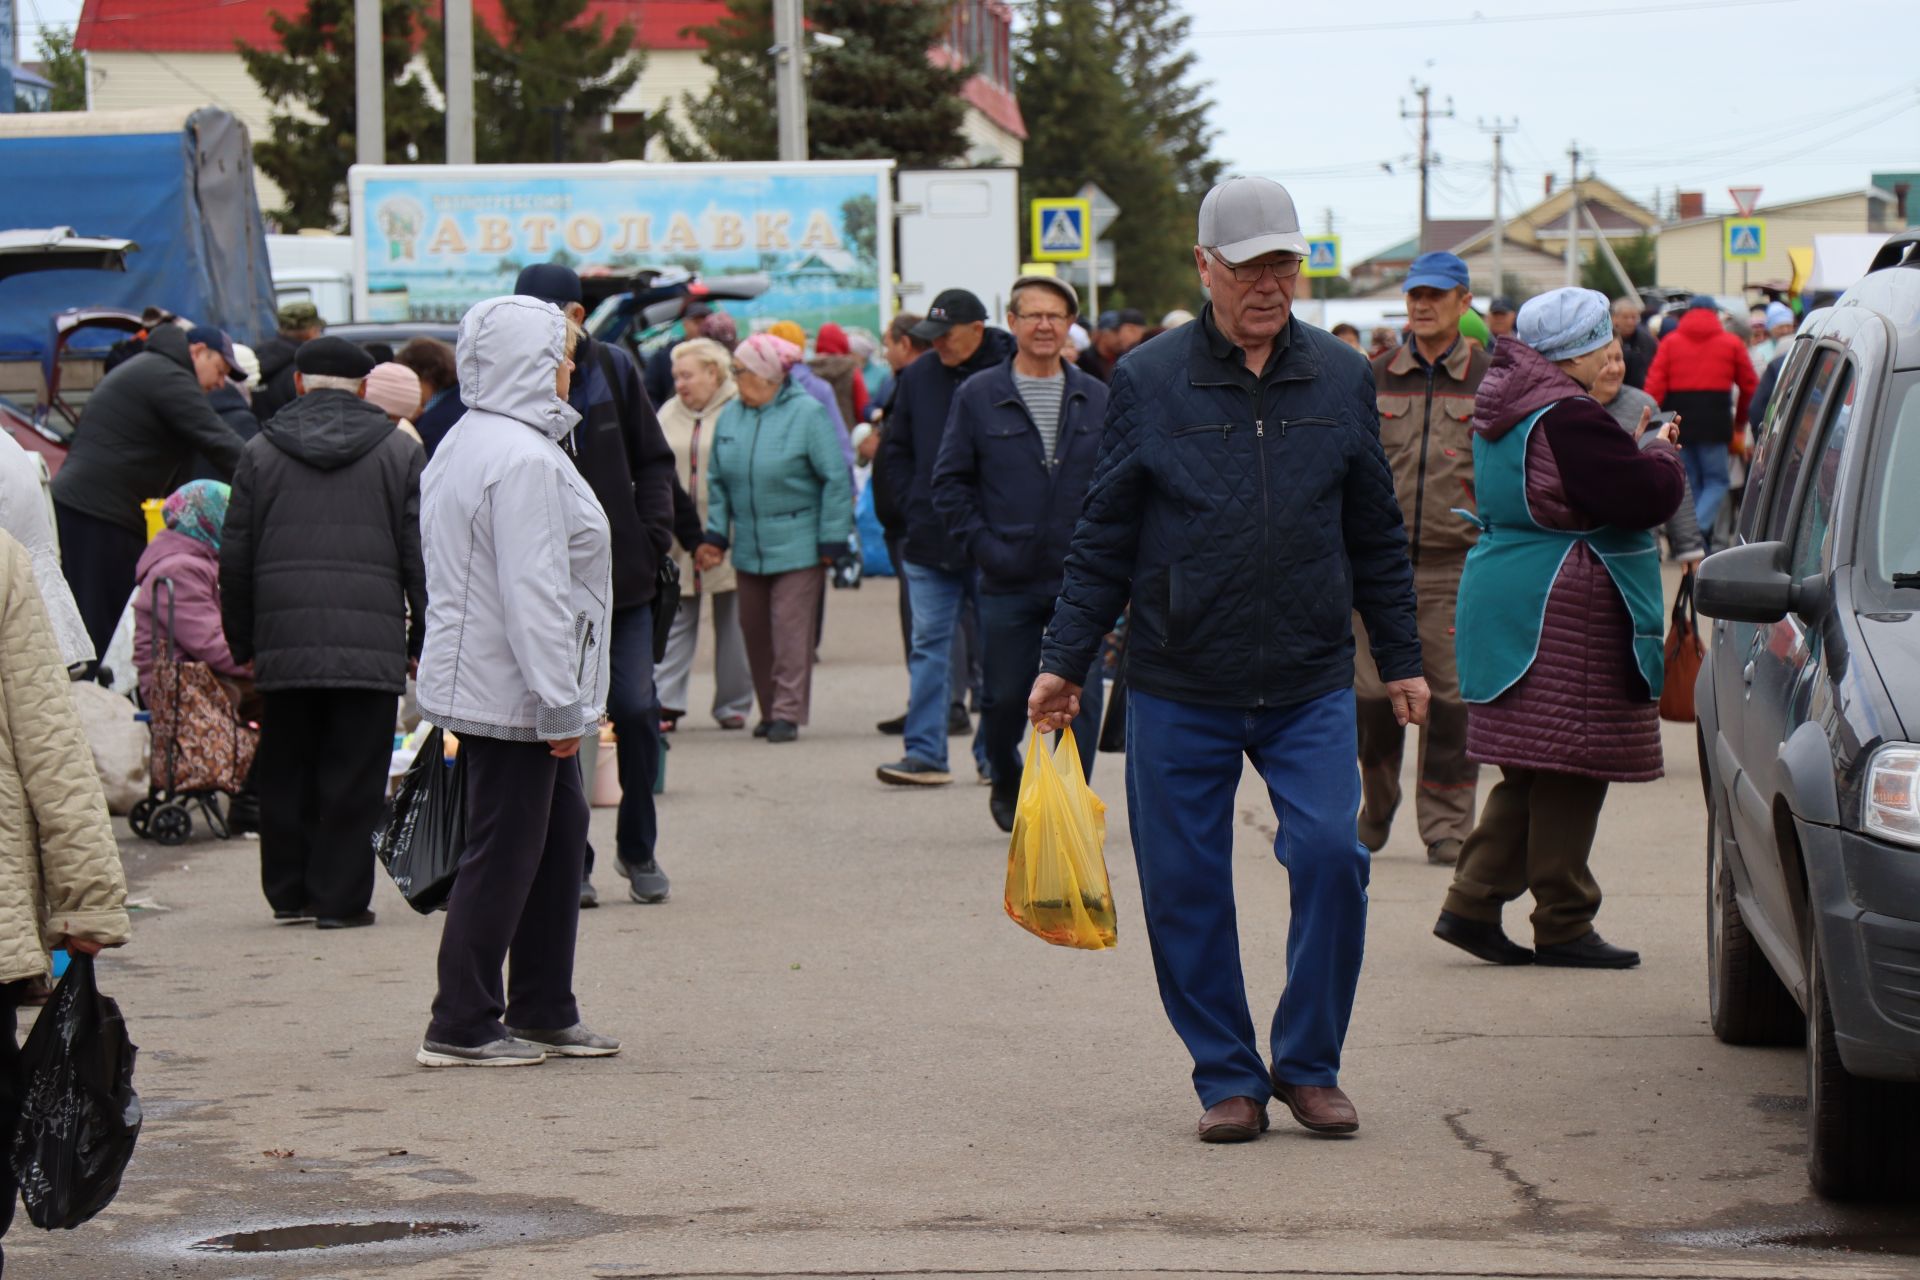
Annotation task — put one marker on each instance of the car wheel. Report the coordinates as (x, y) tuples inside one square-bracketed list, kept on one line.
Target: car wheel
[(1860, 1132), (1746, 1001)]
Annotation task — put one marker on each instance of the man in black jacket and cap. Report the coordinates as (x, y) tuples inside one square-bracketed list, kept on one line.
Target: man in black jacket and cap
[(136, 439), (625, 457), (1242, 502), (935, 566), (323, 589)]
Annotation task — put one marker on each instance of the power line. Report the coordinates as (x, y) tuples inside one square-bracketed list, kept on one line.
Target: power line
[(1491, 19)]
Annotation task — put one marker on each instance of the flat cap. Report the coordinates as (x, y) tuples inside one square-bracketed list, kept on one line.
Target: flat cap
[(333, 358)]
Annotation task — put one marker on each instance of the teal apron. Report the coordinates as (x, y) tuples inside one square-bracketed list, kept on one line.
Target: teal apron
[(1511, 571)]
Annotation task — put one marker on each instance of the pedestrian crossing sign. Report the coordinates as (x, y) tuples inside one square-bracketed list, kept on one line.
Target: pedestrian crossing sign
[(1061, 230), (1323, 257), (1745, 239)]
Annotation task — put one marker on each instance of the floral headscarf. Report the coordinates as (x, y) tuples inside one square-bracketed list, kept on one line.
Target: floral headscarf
[(199, 510)]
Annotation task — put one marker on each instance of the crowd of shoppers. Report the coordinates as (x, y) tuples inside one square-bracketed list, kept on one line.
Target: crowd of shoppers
[(1311, 549)]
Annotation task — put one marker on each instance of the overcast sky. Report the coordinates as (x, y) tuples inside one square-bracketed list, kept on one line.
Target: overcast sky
[(1802, 97)]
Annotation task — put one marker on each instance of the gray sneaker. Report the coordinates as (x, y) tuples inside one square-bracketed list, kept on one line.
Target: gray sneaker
[(570, 1042), (505, 1052), (646, 882)]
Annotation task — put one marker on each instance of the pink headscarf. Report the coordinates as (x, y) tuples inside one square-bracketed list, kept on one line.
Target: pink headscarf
[(766, 356)]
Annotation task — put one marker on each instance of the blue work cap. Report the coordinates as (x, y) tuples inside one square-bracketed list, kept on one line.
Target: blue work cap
[(1437, 271)]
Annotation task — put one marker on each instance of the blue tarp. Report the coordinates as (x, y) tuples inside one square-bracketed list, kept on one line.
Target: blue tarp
[(185, 197)]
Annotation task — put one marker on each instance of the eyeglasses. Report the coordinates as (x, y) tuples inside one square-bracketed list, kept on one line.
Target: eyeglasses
[(1250, 272), (1043, 317)]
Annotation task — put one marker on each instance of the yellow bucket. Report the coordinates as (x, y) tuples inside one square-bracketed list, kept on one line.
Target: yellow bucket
[(152, 509)]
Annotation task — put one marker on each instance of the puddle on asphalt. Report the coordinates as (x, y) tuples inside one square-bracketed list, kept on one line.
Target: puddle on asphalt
[(329, 1235), (1903, 1242)]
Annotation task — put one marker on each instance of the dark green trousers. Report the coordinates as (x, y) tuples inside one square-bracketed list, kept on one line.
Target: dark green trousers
[(1535, 834)]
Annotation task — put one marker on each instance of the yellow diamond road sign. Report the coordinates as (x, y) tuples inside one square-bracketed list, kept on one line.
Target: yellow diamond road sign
[(1744, 239), (1062, 230)]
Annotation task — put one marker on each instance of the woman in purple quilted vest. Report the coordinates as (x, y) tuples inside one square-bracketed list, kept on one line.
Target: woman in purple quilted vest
[(1559, 631)]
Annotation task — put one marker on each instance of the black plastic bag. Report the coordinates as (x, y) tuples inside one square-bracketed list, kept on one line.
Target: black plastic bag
[(79, 1115), (421, 844), (666, 603)]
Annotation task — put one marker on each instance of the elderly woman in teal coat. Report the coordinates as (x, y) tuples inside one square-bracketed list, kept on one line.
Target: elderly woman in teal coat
[(781, 504)]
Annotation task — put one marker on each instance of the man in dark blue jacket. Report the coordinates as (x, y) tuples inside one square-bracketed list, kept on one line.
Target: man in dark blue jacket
[(1242, 502), (621, 451), (936, 568), (1013, 470)]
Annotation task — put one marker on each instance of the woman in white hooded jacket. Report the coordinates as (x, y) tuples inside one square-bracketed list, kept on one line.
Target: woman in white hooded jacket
[(520, 594)]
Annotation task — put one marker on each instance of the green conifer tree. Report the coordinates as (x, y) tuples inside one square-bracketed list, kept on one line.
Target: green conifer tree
[(877, 95), (310, 81), (544, 84), (1083, 125)]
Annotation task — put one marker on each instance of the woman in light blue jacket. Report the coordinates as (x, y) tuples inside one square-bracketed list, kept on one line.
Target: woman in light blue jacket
[(779, 501), (519, 590)]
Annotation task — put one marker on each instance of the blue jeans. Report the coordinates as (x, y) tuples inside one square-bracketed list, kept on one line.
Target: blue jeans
[(1183, 768), (1706, 466), (1011, 628), (938, 600)]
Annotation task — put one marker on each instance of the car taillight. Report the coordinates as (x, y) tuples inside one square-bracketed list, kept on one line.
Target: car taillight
[(1893, 793)]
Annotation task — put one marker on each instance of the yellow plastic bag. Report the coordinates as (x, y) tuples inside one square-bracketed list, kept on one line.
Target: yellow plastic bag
[(1056, 872)]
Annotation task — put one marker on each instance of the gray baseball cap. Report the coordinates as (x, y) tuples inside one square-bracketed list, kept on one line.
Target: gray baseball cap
[(1243, 218)]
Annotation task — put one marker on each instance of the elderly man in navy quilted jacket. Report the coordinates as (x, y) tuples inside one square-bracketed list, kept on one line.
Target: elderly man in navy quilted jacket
[(1243, 504)]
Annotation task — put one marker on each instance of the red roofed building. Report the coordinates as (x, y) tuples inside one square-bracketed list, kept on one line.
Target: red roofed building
[(168, 54)]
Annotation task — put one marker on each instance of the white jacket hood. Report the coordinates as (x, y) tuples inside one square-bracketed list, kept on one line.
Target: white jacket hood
[(508, 355)]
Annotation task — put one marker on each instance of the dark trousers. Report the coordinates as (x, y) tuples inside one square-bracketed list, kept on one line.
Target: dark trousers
[(321, 778), (1011, 628), (1183, 768), (516, 899), (11, 1086), (1535, 833), (633, 705), (778, 619), (99, 558)]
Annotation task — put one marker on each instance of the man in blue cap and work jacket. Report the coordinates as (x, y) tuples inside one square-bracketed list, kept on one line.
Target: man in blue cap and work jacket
[(1241, 501), (1425, 388)]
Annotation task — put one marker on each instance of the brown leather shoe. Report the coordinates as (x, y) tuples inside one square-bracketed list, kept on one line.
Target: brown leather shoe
[(1235, 1120), (1320, 1108)]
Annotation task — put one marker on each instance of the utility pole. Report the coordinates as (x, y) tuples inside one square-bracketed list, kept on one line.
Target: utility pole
[(1427, 115), (1499, 131), (790, 77), (1573, 218), (369, 87), (459, 37)]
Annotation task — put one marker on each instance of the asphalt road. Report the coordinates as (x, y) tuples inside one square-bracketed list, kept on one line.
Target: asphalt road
[(842, 1060)]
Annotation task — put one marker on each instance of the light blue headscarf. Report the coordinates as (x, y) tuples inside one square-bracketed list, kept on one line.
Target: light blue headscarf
[(1566, 323)]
